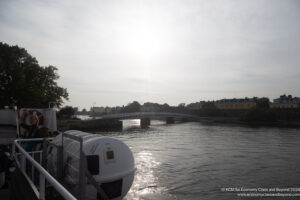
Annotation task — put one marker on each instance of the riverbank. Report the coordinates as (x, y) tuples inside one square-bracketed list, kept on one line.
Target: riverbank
[(116, 125), (89, 125), (238, 121)]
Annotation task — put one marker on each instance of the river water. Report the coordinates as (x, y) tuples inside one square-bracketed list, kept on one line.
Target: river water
[(195, 161)]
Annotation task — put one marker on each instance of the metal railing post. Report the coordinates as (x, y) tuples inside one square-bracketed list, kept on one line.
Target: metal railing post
[(14, 149), (59, 161), (82, 180), (17, 122), (43, 155), (62, 155), (42, 187), (32, 167), (23, 162)]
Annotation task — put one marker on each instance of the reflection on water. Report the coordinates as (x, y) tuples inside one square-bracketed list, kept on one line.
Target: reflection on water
[(130, 125), (83, 117), (194, 161), (145, 182)]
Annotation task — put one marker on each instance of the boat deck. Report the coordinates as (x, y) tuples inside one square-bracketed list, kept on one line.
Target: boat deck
[(4, 194)]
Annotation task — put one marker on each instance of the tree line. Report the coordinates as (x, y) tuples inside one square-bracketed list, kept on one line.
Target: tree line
[(24, 83)]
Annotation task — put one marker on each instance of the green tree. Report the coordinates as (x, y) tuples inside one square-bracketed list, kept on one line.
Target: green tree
[(261, 112), (66, 112), (181, 105), (165, 107), (258, 114), (23, 82), (210, 109), (132, 107), (263, 102)]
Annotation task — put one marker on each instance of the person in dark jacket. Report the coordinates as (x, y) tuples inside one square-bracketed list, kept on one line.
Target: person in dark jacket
[(34, 130), (4, 164)]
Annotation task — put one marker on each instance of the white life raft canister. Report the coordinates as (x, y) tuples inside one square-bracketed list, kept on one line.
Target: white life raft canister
[(110, 162)]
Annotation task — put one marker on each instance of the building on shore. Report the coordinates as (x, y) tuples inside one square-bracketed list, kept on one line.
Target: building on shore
[(286, 101), (227, 104), (98, 110), (196, 106), (235, 104)]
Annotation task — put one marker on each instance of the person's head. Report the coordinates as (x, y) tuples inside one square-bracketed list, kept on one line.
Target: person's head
[(34, 120)]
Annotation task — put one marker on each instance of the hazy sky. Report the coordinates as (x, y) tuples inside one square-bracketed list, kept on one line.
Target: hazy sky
[(113, 52)]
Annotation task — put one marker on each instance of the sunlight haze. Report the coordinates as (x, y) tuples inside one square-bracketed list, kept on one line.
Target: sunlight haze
[(114, 52)]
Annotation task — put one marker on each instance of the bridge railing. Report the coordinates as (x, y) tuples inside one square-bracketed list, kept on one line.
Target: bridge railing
[(147, 114)]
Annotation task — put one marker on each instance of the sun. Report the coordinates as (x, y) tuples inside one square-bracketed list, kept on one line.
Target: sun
[(145, 42)]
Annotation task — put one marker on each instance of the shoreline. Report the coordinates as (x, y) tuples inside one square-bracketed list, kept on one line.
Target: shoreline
[(68, 124), (237, 121)]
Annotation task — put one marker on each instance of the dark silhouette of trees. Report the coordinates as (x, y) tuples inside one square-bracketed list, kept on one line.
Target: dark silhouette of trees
[(210, 109), (263, 102), (23, 82), (181, 105), (261, 112), (132, 107), (258, 114), (66, 112)]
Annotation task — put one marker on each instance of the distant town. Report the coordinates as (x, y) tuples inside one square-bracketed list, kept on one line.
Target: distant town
[(282, 102), (283, 111)]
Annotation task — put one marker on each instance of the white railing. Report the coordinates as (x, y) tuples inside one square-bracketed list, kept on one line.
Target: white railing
[(22, 157)]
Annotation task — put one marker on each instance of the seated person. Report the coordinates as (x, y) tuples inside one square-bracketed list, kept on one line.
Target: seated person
[(35, 130)]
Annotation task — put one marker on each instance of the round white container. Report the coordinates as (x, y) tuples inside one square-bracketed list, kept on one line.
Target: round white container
[(110, 161)]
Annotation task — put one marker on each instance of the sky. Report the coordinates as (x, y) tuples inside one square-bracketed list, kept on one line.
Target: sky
[(110, 53)]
